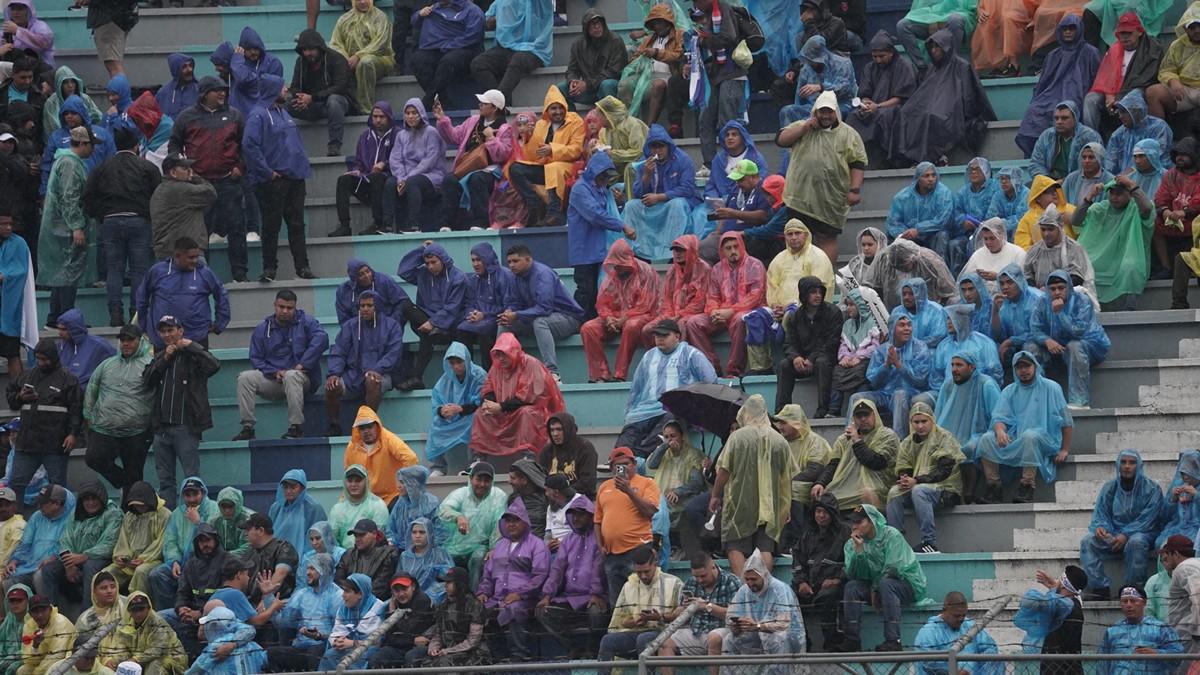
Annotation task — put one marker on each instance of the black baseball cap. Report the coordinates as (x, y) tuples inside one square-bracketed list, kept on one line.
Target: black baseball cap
[(130, 331), (261, 520), (364, 526), (666, 326), (176, 159)]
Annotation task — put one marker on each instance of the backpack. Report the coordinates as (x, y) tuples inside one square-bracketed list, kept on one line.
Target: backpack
[(749, 29)]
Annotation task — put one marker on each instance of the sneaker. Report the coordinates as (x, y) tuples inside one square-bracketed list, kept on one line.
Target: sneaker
[(116, 317), (556, 376), (294, 431), (341, 231), (437, 473), (334, 429), (411, 384), (253, 238), (215, 238), (467, 471), (444, 229), (889, 646), (246, 434), (926, 547), (847, 647), (334, 150), (560, 20), (267, 276), (1078, 406), (241, 278), (305, 273)]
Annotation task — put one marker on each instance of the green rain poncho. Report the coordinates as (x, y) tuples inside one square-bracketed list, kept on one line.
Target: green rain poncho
[(809, 455), (920, 458), (851, 478), (885, 554), (759, 488), (116, 402), (1118, 244), (367, 35), (10, 636), (50, 108), (625, 134), (346, 513), (92, 535), (1150, 12), (233, 538), (482, 514), (676, 470), (937, 11), (60, 261)]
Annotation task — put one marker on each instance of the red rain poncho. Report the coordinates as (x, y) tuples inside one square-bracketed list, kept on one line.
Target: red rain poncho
[(635, 296), (742, 288), (685, 288), (526, 380)]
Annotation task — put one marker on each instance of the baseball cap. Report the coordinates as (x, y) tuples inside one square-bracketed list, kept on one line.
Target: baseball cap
[(130, 331), (493, 96), (862, 408), (356, 470), (81, 134), (218, 614), (1128, 23), (234, 564), (666, 326), (193, 484), (743, 168), (176, 159), (17, 591), (261, 520), (51, 493), (558, 481), (169, 320), (40, 601), (135, 601), (364, 526), (7, 137), (402, 580), (452, 573), (364, 421), (620, 453), (7, 494), (483, 469)]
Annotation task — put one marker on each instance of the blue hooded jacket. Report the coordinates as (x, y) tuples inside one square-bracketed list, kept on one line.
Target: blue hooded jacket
[(440, 297), (388, 293), (1120, 145), (928, 213), (1076, 321), (592, 214), (41, 536), (80, 353), (309, 606), (119, 85), (275, 346), (489, 293), (719, 184), (245, 87), (675, 177), (177, 540), (417, 502), (539, 292), (222, 56), (457, 24), (524, 26), (1016, 318), (1128, 511), (174, 97), (971, 202), (166, 289), (363, 346), (1011, 210), (929, 319), (60, 139), (292, 520), (271, 141), (965, 341), (913, 373)]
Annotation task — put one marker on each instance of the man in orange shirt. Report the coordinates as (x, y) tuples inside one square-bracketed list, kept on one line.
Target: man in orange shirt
[(625, 504)]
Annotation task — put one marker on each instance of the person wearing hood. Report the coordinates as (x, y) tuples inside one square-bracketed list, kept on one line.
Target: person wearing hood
[(381, 452), (285, 350), (67, 236), (862, 333), (323, 87), (181, 91), (294, 510), (1132, 62), (372, 557), (178, 205), (425, 560), (519, 394), (736, 145), (321, 539), (1138, 633), (900, 372), (622, 134), (592, 217), (365, 353), (1065, 327), (482, 139), (367, 172), (210, 133), (147, 638), (962, 338), (226, 653), (78, 352), (195, 509), (737, 285), (763, 616), (85, 548), (362, 277), (517, 566), (199, 577), (51, 417), (1147, 170), (524, 43), (928, 476), (66, 83), (627, 302), (860, 469), (356, 502), (120, 97), (1180, 510), (948, 108), (956, 17), (106, 605), (822, 146), (1044, 192), (451, 35), (441, 293), (469, 515), (569, 453), (47, 637), (878, 561), (1012, 311), (310, 612), (1056, 250), (455, 398), (820, 70), (418, 170), (596, 61), (818, 567), (228, 522), (923, 213), (677, 468), (154, 129), (1115, 233), (549, 156), (363, 35), (994, 253), (181, 413), (40, 538), (456, 636), (26, 34), (1177, 201), (527, 480), (16, 608), (860, 271), (685, 287), (663, 195), (1068, 73), (1011, 200), (1178, 83), (73, 113), (1136, 125), (886, 83), (947, 629), (181, 287), (249, 62), (138, 549), (573, 596), (971, 203), (1078, 184), (1031, 429), (1124, 525), (903, 260), (811, 332), (640, 606)]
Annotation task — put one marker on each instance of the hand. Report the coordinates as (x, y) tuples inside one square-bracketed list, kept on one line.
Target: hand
[(906, 482), (426, 11), (435, 651), (437, 110), (176, 570), (810, 90), (622, 483), (340, 643), (714, 504), (1177, 89), (553, 545), (333, 383), (463, 525), (630, 233), (672, 497), (1101, 534), (489, 133), (1144, 650), (238, 50), (1061, 456), (544, 602), (830, 583), (778, 311), (489, 407), (222, 652), (790, 76), (302, 100), (858, 542), (400, 185), (577, 87), (372, 376), (75, 559), (266, 584), (28, 394), (801, 364), (598, 601), (184, 343), (1118, 544), (425, 328), (420, 641), (474, 315), (5, 48), (1054, 347), (78, 238), (511, 598), (851, 432), (853, 198), (893, 357), (192, 513), (723, 315), (69, 443), (988, 276), (1095, 191), (910, 233), (544, 151), (1057, 304), (1124, 181), (804, 589), (507, 317), (724, 213), (817, 491), (1002, 438), (652, 199), (11, 27), (353, 61)]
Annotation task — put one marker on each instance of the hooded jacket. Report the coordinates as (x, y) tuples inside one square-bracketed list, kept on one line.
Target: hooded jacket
[(452, 24), (489, 293), (1028, 233), (685, 286), (928, 319), (675, 177), (885, 554), (175, 96), (177, 210), (53, 105), (221, 57), (532, 497), (929, 213), (383, 461), (1076, 321), (271, 143), (57, 643), (378, 564), (719, 184), (1016, 318), (594, 60), (788, 267), (181, 387), (293, 519), (913, 373), (388, 293), (1121, 143), (60, 139), (201, 575), (464, 391), (233, 538), (442, 296), (247, 75), (539, 292), (312, 606), (1131, 509), (118, 85), (81, 353), (329, 75), (630, 289), (419, 151), (166, 289), (416, 502), (154, 643), (57, 412), (820, 553), (521, 568), (276, 347), (577, 571), (964, 340), (141, 534), (155, 127), (346, 513), (42, 537), (567, 145), (36, 37), (180, 534), (363, 346), (374, 146), (211, 137), (625, 135), (92, 534), (817, 336), (591, 214)]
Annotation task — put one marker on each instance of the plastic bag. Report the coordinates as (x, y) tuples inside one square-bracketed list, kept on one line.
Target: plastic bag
[(742, 55), (635, 82)]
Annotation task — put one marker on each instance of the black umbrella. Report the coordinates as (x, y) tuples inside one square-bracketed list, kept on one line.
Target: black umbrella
[(711, 407)]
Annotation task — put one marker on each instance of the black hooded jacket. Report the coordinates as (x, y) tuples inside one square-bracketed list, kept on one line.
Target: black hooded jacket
[(56, 413), (330, 74), (816, 336), (576, 457), (820, 553), (594, 61), (201, 576)]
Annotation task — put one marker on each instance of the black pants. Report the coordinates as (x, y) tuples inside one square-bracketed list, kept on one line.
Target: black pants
[(587, 277), (368, 189), (502, 68), (289, 659), (409, 208), (483, 344), (415, 316), (824, 603), (104, 451), (1179, 287), (823, 369), (479, 186), (436, 69), (282, 200), (401, 34), (524, 177)]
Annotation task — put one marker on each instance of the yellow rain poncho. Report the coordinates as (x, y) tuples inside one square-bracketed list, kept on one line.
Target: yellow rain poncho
[(919, 458), (852, 479), (788, 268), (759, 488), (810, 452), (366, 35)]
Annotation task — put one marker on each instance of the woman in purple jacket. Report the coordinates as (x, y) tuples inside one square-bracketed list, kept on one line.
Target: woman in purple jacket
[(418, 164)]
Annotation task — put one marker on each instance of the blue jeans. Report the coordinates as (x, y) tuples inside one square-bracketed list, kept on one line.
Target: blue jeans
[(923, 499), (626, 644), (26, 463), (897, 404), (955, 250), (893, 594), (163, 585), (1137, 553), (546, 330), (226, 217), (617, 568), (174, 441), (51, 579), (126, 243), (606, 88)]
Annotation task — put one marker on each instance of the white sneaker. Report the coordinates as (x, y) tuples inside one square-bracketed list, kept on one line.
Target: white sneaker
[(444, 229), (436, 473), (1076, 406), (215, 238), (476, 228), (252, 238), (556, 376)]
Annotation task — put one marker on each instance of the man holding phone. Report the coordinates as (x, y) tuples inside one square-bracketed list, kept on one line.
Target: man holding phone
[(625, 504), (643, 606), (51, 407)]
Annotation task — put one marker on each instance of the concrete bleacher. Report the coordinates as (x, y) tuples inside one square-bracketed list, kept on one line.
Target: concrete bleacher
[(1142, 396)]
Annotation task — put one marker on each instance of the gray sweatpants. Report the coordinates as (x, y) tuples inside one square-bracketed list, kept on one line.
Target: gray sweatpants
[(253, 383)]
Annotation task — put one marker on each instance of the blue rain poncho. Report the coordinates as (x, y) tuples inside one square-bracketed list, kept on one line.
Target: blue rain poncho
[(292, 520), (416, 502), (658, 372), (1076, 186), (389, 295), (836, 75), (657, 226), (446, 433), (719, 184), (1121, 143), (981, 315), (1016, 318), (1039, 614), (913, 373), (1128, 512), (1034, 416), (309, 606), (180, 531), (965, 410), (930, 213), (41, 538), (246, 657), (774, 606), (355, 623), (778, 19), (964, 340), (971, 202), (1181, 513), (16, 266), (1076, 321), (428, 566), (929, 319), (1126, 636), (524, 26), (1010, 209), (81, 352), (936, 636), (1149, 181), (329, 542), (1067, 76), (1041, 160)]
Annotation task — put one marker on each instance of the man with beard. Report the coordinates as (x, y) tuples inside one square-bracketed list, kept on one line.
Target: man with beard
[(1177, 201), (407, 635), (197, 580), (322, 86)]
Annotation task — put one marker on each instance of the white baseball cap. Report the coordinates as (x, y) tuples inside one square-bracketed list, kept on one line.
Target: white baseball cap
[(493, 96), (7, 137)]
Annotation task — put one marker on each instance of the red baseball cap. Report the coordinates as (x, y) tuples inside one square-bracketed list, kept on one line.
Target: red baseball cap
[(1129, 22), (620, 453)]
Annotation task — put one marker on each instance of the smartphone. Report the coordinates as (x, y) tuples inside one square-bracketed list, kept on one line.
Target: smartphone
[(9, 37), (619, 470)]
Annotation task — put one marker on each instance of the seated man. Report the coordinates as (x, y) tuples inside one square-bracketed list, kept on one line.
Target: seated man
[(1011, 200), (879, 563), (273, 564), (456, 397), (736, 286), (820, 70), (322, 86), (434, 317), (519, 395), (1177, 88), (489, 293), (897, 374), (46, 637), (962, 340), (1120, 74), (405, 636), (811, 336), (1064, 62), (819, 569), (1043, 193), (84, 549), (685, 287), (860, 469), (524, 43), (574, 599), (469, 515), (663, 195), (1057, 251), (366, 351), (627, 302), (181, 287), (888, 79), (78, 352), (928, 318), (924, 17), (371, 556), (712, 590), (540, 304), (1065, 328), (964, 408), (194, 508), (380, 452), (361, 277), (971, 203), (286, 351), (199, 578), (360, 615), (1116, 238), (945, 629), (927, 476), (1078, 184), (1138, 633), (597, 59), (642, 607), (516, 566), (450, 35), (763, 615), (1031, 429), (923, 212), (138, 550), (1136, 124), (1012, 312), (356, 502), (368, 171), (1057, 150), (1123, 526), (364, 36), (414, 503), (748, 208), (623, 134), (527, 480), (549, 155)]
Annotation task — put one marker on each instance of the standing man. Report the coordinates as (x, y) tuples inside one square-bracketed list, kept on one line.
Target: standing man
[(178, 205), (118, 194), (718, 34), (181, 287), (286, 351), (117, 407), (64, 238), (179, 376), (110, 22), (48, 398), (625, 504), (1177, 556), (322, 86), (181, 91)]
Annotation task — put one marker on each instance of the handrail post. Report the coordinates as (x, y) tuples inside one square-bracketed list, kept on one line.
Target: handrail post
[(375, 636)]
